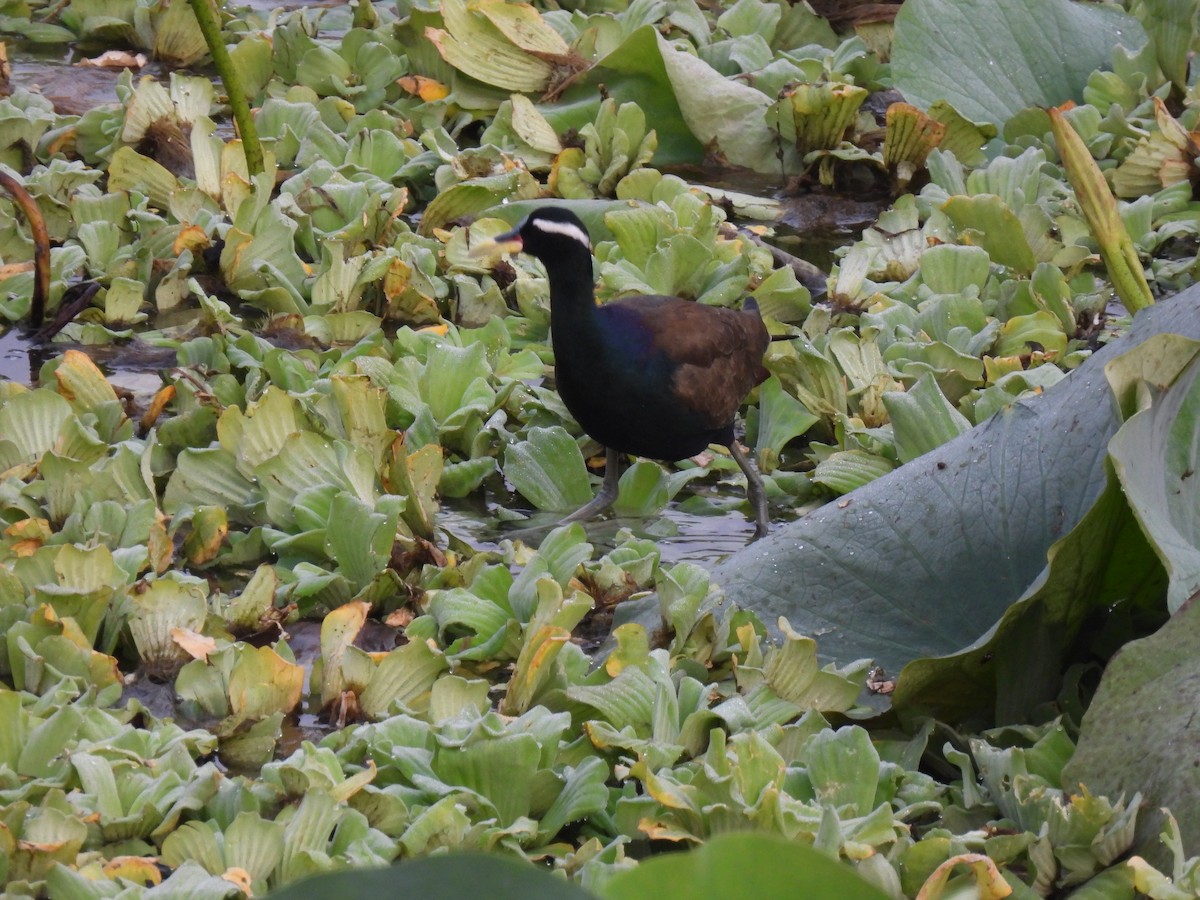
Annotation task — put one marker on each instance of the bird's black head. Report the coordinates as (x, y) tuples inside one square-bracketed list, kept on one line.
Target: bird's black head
[(548, 233)]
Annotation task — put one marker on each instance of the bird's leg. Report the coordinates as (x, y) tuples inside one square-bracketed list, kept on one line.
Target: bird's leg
[(755, 492), (608, 490)]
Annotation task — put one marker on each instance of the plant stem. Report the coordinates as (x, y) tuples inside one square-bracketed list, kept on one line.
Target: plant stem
[(232, 81), (41, 246)]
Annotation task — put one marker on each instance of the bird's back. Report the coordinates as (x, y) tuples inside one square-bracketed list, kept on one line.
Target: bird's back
[(661, 377)]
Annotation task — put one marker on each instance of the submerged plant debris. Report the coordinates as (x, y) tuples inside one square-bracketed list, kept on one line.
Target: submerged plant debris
[(279, 595)]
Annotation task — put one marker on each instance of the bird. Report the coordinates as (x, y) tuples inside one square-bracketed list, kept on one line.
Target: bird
[(648, 375)]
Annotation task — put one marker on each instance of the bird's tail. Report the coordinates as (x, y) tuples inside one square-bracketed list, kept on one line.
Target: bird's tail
[(751, 305)]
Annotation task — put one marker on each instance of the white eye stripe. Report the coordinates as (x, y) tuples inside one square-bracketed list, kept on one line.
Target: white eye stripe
[(566, 229)]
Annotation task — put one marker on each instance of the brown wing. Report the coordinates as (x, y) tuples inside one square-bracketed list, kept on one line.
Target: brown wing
[(718, 352)]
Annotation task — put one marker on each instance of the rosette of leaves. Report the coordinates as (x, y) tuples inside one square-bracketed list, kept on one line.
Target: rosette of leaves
[(1059, 839), (471, 181), (359, 684), (25, 118), (676, 247), (167, 28), (1161, 158), (615, 144), (495, 616), (162, 617), (36, 839), (142, 790), (45, 654), (519, 127), (243, 692), (361, 69), (822, 121), (505, 45), (825, 787), (636, 705), (320, 491), (247, 851), (471, 778)]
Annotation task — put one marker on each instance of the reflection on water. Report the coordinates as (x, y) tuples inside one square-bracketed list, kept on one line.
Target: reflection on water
[(680, 536), (132, 366), (14, 358)]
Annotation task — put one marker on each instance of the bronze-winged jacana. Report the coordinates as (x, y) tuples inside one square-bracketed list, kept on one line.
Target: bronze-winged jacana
[(654, 376)]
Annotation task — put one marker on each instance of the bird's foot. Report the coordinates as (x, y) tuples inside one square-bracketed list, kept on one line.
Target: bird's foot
[(608, 490), (756, 494)]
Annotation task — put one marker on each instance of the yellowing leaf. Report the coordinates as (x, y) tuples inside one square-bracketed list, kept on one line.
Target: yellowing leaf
[(159, 403), (534, 666), (196, 645), (989, 883), (82, 382), (209, 527), (476, 46), (141, 869), (338, 632), (263, 682), (239, 878), (523, 25), (191, 237), (428, 89)]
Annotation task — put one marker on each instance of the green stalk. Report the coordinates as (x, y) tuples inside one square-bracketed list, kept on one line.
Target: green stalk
[(1099, 208), (232, 81), (41, 246)]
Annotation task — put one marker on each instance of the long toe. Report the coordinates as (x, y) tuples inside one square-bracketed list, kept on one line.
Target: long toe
[(608, 490), (591, 509)]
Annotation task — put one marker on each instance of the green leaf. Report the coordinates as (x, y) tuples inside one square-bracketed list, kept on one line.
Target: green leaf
[(32, 421), (691, 106), (973, 520), (848, 470), (501, 770), (403, 678), (742, 865), (781, 417), (548, 469), (1137, 735), (441, 878), (843, 767), (643, 490), (950, 268), (922, 418), (988, 221), (1156, 457), (1104, 561), (992, 58), (360, 539)]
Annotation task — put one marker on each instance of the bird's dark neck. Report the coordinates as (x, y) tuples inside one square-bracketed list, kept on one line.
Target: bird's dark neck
[(572, 291)]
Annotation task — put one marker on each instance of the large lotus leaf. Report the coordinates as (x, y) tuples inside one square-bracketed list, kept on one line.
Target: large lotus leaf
[(1103, 563), (762, 866), (992, 58), (1155, 455), (442, 878), (1138, 734), (924, 560)]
